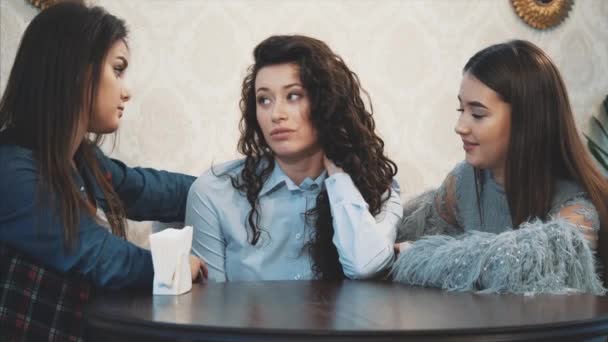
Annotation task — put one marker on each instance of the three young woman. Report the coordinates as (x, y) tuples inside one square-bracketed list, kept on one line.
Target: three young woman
[(314, 196)]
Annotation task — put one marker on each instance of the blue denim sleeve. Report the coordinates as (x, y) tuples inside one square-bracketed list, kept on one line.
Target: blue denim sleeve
[(35, 227), (148, 194)]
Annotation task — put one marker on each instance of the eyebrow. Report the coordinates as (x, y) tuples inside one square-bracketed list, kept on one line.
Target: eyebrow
[(124, 60), (284, 87), (473, 103)]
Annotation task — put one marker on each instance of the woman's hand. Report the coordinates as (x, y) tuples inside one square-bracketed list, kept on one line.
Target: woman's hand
[(198, 269), (330, 166), (402, 247)]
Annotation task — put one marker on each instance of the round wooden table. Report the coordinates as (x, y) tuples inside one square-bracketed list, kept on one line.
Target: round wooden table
[(347, 311)]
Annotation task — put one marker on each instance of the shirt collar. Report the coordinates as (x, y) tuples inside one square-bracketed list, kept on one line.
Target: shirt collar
[(278, 178)]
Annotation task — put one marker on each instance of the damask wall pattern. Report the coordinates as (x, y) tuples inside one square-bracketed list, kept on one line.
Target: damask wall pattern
[(188, 58)]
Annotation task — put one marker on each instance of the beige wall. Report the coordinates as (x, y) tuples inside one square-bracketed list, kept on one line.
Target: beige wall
[(189, 57)]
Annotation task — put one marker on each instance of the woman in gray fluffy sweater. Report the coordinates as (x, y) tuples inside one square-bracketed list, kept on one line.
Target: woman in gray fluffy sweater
[(523, 213)]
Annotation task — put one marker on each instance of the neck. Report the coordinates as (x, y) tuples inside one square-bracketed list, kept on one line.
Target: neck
[(298, 169), (78, 139), (75, 147), (499, 175)]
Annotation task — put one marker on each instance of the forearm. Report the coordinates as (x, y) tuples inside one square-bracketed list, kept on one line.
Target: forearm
[(162, 196), (518, 261), (119, 264), (148, 194), (364, 244), (106, 260)]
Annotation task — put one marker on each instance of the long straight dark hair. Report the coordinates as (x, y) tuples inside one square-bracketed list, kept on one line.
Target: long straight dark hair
[(544, 144), (50, 93)]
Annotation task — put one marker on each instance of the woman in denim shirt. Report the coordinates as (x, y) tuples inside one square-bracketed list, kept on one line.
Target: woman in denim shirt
[(66, 90)]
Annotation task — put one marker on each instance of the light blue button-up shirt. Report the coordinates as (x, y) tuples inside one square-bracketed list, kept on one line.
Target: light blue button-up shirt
[(222, 236)]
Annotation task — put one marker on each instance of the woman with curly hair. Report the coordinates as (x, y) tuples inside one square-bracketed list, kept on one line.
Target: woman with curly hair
[(315, 196)]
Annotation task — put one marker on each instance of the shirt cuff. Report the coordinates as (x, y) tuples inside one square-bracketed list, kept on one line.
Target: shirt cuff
[(341, 189)]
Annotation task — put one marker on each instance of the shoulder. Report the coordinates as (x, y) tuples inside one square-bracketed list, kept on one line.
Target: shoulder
[(15, 153), (106, 163), (462, 170), (570, 197), (395, 186), (218, 178), (18, 179), (15, 162), (462, 173), (567, 191)]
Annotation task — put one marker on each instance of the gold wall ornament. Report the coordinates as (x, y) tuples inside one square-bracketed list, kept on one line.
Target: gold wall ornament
[(542, 14), (42, 4)]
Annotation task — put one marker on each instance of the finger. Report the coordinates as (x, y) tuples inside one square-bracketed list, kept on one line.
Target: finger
[(205, 270), (195, 274)]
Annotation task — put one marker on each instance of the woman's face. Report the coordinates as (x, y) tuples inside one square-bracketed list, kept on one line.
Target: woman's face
[(112, 93), (283, 112), (484, 125)]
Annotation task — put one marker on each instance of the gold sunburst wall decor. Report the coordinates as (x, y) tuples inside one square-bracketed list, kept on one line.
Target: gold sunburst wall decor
[(42, 4), (542, 14)]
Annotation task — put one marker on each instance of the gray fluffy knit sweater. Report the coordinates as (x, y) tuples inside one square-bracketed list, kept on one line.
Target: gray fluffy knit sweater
[(457, 248)]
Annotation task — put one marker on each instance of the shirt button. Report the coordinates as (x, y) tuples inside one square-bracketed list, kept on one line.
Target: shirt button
[(297, 277), (82, 188), (298, 236)]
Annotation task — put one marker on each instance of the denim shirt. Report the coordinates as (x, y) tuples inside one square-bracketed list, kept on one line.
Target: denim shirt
[(36, 229)]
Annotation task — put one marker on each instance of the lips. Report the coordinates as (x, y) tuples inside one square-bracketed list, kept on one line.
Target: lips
[(281, 133), (468, 146)]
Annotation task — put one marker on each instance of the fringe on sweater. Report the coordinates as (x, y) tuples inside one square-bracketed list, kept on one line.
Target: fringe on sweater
[(540, 257)]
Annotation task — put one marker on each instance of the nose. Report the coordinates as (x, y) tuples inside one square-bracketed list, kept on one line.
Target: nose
[(461, 127), (125, 94), (279, 111)]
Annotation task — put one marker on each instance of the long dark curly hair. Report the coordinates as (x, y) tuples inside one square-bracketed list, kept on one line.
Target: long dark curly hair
[(345, 131)]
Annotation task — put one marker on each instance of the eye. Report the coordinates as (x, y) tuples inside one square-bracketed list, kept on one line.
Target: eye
[(477, 116), (461, 110), (293, 96), (119, 70), (263, 100)]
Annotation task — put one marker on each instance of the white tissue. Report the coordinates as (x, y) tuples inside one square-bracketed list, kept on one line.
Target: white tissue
[(170, 256)]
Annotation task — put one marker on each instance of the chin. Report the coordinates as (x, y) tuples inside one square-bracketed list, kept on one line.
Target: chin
[(104, 130), (284, 154), (474, 162)]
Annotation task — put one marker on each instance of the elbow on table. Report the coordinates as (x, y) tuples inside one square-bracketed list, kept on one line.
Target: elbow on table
[(366, 269)]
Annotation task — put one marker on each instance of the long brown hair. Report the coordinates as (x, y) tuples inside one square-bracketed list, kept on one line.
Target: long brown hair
[(50, 92), (345, 130), (544, 144)]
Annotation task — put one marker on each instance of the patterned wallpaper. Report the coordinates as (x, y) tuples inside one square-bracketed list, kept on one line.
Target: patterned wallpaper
[(189, 57)]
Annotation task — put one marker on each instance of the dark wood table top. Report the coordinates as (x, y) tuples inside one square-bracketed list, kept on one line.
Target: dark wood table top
[(349, 310)]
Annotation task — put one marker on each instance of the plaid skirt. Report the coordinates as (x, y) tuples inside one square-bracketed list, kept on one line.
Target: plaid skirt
[(38, 303)]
